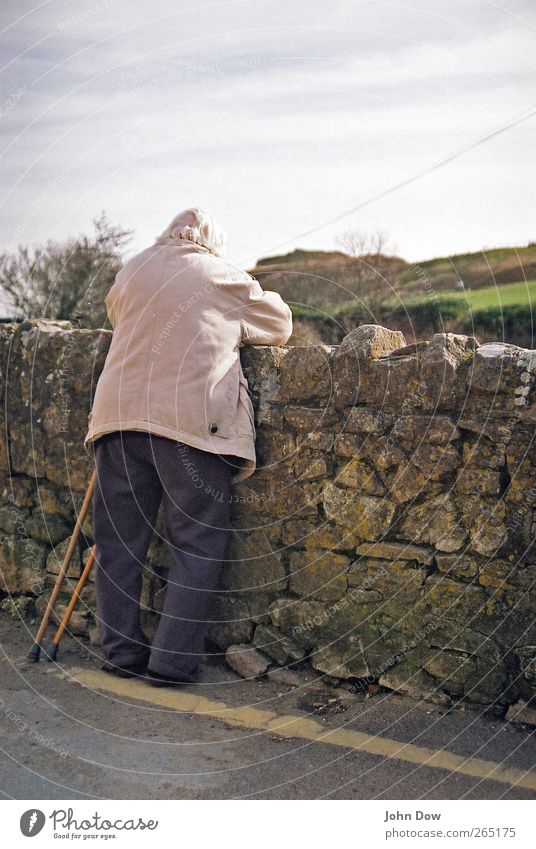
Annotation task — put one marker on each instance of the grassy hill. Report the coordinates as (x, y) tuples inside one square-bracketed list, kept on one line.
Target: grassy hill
[(488, 294), (482, 269), (326, 278)]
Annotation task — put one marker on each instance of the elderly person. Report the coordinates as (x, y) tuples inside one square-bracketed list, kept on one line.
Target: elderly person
[(172, 419)]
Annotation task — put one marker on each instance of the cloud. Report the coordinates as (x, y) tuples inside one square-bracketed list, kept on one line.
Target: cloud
[(275, 115)]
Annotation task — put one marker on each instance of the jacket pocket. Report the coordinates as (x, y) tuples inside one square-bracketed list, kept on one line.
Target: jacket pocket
[(221, 403)]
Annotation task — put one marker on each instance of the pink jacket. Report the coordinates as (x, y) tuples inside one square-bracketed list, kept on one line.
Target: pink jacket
[(180, 315)]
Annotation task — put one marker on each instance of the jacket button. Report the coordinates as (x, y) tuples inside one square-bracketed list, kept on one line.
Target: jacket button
[(213, 427)]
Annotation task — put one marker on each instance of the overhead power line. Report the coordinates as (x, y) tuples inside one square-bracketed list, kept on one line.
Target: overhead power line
[(513, 122)]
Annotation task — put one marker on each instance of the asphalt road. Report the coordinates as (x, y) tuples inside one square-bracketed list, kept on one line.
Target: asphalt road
[(70, 731)]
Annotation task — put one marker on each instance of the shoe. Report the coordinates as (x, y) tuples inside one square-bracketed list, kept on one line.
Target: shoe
[(137, 671), (158, 679)]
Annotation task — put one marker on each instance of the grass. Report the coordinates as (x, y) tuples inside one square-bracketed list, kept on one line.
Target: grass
[(501, 312), (457, 303), (509, 294), (496, 312)]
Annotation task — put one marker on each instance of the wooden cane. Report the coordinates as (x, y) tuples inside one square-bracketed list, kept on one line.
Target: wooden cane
[(52, 652), (35, 650)]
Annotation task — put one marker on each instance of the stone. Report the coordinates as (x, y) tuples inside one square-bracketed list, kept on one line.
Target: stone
[(274, 446), (18, 493), (521, 472), (443, 367), (363, 576), (406, 483), (397, 582), (55, 411), (247, 661), (454, 600), (305, 373), (88, 598), (521, 712), (495, 367), (279, 500), (416, 684), (284, 677), (318, 574), (497, 574), (307, 466), (383, 454), (370, 341), (342, 658), (370, 517), (397, 551), (22, 565), (486, 419), (459, 565), (273, 643), (410, 350), (310, 419), (482, 481), (483, 452), (299, 619), (393, 384), (261, 365), (447, 635), (55, 501), (314, 535), (363, 420), (253, 565), (9, 519), (436, 461), (453, 668), (18, 607), (527, 663), (231, 619), (352, 360), (347, 444), (319, 440), (485, 519), (436, 522), (433, 430), (48, 527), (153, 591), (359, 476)]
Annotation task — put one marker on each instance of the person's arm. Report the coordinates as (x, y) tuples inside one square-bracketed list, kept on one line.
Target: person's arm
[(265, 318), (111, 301)]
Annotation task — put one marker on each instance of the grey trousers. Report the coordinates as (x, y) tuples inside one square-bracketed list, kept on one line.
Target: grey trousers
[(135, 471)]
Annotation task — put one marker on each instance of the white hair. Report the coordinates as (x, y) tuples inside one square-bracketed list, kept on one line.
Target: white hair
[(197, 226)]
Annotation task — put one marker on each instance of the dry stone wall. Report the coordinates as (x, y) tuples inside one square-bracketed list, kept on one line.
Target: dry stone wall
[(388, 532)]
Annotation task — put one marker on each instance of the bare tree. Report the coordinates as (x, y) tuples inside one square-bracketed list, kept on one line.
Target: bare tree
[(371, 252), (64, 280)]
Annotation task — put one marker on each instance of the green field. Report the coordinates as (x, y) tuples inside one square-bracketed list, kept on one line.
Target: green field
[(509, 294), (493, 299), (502, 312), (491, 313)]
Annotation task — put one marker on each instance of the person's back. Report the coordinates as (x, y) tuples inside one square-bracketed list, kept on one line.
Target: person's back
[(179, 315)]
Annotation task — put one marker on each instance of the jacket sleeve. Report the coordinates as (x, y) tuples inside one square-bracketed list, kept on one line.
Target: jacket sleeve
[(265, 318), (111, 305)]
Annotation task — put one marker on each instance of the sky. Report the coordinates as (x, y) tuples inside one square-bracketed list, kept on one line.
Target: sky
[(276, 116)]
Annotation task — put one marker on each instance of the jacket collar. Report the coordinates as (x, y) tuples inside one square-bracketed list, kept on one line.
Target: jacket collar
[(190, 243)]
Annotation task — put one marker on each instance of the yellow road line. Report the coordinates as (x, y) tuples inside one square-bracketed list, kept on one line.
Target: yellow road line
[(288, 725)]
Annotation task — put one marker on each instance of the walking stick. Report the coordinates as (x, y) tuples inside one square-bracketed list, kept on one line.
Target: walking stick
[(35, 650), (52, 652)]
